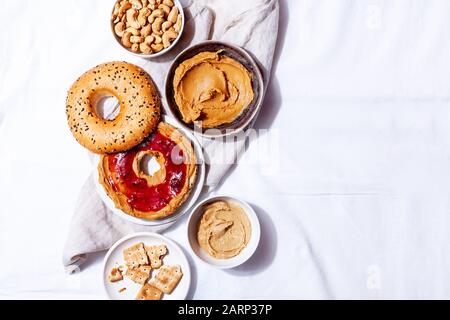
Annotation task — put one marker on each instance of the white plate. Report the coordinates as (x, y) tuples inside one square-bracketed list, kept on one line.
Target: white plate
[(114, 258), (195, 193), (240, 259)]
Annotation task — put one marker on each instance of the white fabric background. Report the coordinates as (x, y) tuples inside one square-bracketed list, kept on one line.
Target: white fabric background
[(358, 206)]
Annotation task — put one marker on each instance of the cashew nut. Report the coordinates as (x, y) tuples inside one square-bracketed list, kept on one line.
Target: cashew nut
[(135, 47), (149, 40), (173, 15), (158, 13), (143, 15), (144, 3), (168, 3), (146, 31), (168, 37), (137, 4), (166, 26), (157, 47), (164, 8), (157, 38), (177, 26), (124, 6), (132, 21), (133, 31), (145, 48), (119, 29), (156, 26), (116, 11), (136, 39), (126, 39)]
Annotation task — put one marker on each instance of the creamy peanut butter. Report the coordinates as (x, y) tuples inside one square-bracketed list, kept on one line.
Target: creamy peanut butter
[(212, 88), (224, 230)]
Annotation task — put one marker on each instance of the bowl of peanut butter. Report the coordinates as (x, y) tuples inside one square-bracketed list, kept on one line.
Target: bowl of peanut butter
[(215, 89), (224, 231)]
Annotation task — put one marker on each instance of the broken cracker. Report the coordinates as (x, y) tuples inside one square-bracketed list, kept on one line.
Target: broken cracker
[(135, 256), (155, 255), (115, 275), (167, 278), (149, 292), (139, 275)]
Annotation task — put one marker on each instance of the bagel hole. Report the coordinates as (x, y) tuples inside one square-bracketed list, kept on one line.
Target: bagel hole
[(106, 106), (150, 165)]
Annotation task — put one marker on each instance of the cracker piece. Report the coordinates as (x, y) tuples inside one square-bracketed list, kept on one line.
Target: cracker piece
[(115, 275), (167, 278), (139, 275), (155, 255), (149, 292), (135, 256)]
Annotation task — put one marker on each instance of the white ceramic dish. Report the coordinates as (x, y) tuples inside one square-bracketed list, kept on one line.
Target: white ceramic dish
[(245, 255), (195, 193), (162, 52), (114, 259)]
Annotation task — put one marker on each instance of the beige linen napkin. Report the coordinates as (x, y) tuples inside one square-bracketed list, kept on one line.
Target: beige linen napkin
[(252, 25)]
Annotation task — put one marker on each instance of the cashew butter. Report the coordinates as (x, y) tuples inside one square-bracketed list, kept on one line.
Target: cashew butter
[(224, 230)]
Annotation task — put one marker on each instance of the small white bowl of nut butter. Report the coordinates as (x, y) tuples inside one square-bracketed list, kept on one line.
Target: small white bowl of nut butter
[(147, 28), (224, 231)]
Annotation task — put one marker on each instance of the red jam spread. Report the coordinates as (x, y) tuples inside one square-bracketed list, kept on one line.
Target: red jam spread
[(140, 196)]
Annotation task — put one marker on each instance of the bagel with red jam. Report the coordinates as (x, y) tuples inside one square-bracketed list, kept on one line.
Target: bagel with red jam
[(160, 194)]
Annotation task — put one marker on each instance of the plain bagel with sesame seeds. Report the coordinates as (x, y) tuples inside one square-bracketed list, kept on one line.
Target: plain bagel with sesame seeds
[(139, 114)]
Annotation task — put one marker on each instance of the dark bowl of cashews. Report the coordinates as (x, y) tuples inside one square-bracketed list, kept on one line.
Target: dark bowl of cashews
[(147, 28)]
